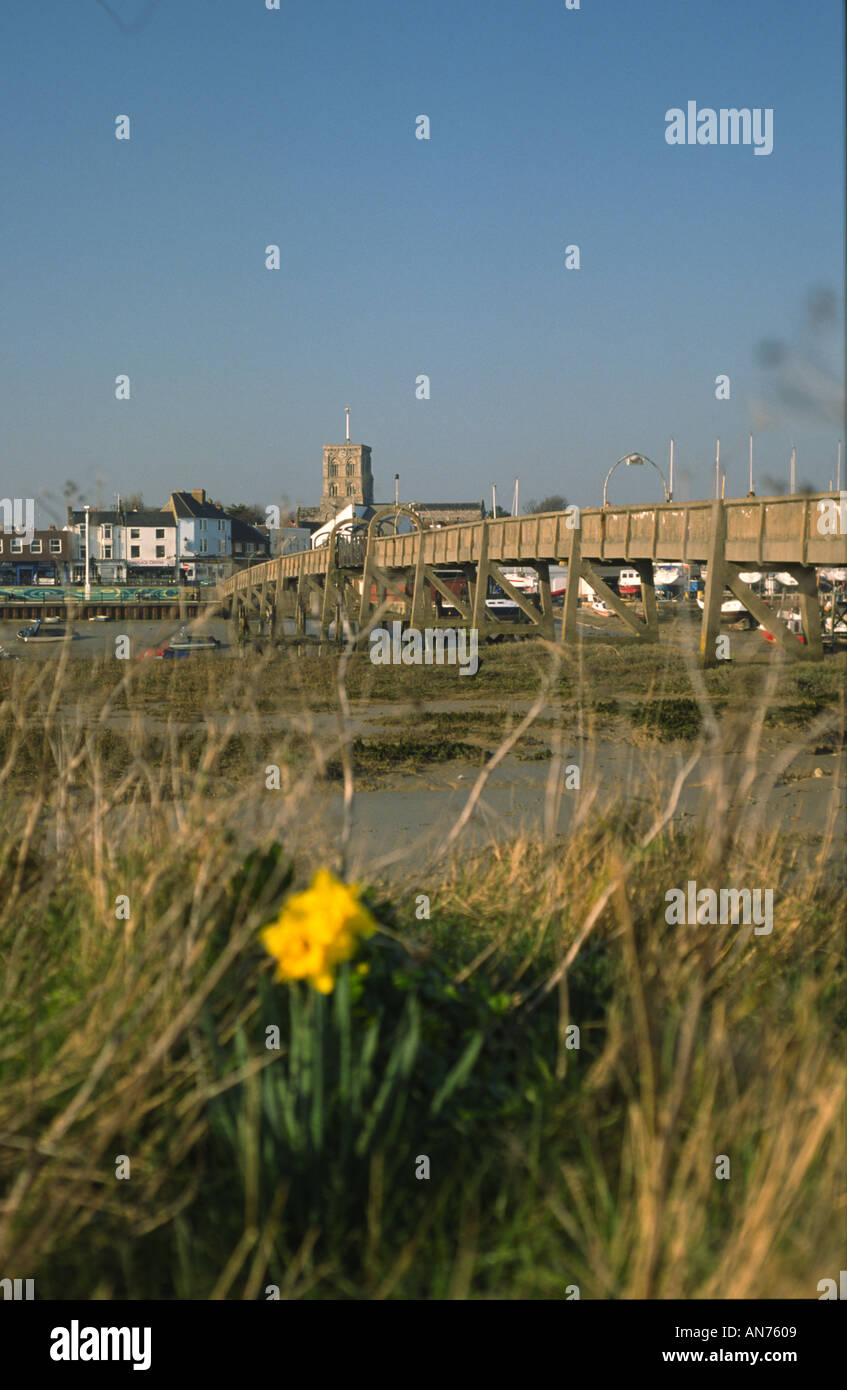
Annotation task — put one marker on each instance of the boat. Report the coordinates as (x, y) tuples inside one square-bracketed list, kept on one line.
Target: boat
[(38, 633), (668, 580), (523, 578), (192, 642), (598, 606), (558, 583), (731, 608), (629, 583), (8, 656), (500, 605), (793, 621), (97, 618)]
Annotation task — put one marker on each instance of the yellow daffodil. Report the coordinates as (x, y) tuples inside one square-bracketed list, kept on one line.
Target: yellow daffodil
[(316, 930)]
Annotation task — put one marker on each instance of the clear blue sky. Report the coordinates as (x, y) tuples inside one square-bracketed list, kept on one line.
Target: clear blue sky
[(402, 256)]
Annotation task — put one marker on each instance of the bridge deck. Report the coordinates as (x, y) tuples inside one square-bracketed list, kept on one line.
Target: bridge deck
[(768, 531), (353, 578)]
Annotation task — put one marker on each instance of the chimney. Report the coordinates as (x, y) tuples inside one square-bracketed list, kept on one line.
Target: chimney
[(199, 494)]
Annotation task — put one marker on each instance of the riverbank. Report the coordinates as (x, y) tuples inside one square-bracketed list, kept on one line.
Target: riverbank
[(526, 1015)]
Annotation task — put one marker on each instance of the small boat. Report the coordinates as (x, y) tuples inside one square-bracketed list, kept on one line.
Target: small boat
[(668, 579), (38, 633), (558, 583), (97, 618), (522, 578), (731, 608), (792, 621), (192, 642), (629, 583), (598, 606), (51, 620)]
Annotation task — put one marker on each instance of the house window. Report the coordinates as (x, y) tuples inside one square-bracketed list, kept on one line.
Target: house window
[(55, 547), (160, 533), (160, 552), (17, 547), (203, 547), (202, 526), (333, 470), (35, 547), (134, 552), (349, 470), (107, 533), (107, 552), (238, 547), (333, 490), (134, 533)]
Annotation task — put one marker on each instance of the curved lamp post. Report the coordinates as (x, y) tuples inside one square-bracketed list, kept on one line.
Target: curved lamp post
[(635, 460)]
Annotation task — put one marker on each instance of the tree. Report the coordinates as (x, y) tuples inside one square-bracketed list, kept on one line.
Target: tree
[(247, 511), (134, 502), (554, 503)]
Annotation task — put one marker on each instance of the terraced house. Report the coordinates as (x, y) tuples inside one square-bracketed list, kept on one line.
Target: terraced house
[(45, 559), (127, 547), (203, 535)]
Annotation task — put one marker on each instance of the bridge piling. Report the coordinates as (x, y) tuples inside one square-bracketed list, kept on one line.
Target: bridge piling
[(715, 583)]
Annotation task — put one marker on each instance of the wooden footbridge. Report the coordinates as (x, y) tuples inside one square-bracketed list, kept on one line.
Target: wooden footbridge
[(355, 578)]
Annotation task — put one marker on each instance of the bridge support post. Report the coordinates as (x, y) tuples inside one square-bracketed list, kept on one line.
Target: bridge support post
[(327, 601), (300, 604), (648, 599), (810, 613), (368, 578), (715, 581), (479, 619), (419, 590), (569, 611), (546, 625)]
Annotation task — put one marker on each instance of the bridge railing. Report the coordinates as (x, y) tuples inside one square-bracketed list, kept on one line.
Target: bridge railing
[(764, 531)]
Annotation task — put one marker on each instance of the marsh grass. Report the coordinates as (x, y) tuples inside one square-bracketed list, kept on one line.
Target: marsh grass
[(550, 1165)]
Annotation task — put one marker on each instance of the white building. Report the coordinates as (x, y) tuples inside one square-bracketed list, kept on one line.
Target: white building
[(126, 547), (203, 535)]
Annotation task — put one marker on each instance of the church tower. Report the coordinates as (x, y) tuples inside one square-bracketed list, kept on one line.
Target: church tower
[(347, 475)]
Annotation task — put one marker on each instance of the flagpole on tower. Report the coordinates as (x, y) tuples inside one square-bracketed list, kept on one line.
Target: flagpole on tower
[(347, 413)]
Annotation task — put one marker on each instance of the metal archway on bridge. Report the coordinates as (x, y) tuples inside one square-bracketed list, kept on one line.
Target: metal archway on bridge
[(378, 577)]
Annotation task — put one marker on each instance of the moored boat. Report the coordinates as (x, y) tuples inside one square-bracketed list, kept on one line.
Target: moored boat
[(629, 583), (192, 642), (37, 632)]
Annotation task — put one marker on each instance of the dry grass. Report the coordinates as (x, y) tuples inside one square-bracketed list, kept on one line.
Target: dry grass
[(595, 1166)]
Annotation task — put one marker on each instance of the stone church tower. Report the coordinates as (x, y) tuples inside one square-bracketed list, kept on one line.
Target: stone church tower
[(347, 477)]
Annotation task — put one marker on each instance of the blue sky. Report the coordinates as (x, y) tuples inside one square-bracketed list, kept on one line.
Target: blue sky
[(402, 257)]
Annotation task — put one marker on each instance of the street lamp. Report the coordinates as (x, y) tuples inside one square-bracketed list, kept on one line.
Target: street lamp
[(635, 461), (87, 553)]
